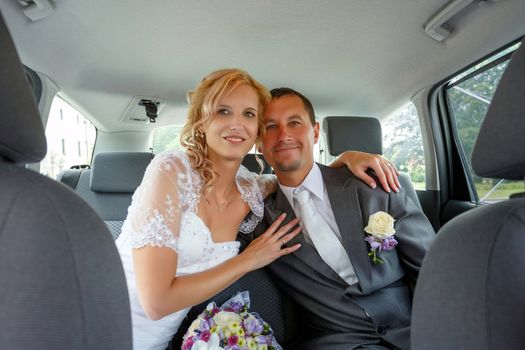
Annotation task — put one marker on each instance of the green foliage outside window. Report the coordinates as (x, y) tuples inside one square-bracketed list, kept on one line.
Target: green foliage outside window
[(469, 101), (403, 144)]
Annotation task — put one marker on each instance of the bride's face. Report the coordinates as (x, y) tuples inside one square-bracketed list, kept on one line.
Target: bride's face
[(232, 131)]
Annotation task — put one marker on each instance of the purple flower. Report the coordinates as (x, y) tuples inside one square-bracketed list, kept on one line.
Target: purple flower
[(233, 347), (235, 306), (263, 339), (388, 243), (373, 243), (204, 326), (252, 326)]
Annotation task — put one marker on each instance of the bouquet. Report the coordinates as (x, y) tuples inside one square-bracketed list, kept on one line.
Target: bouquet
[(230, 327)]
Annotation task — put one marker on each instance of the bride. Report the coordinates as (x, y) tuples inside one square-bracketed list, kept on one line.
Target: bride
[(178, 244)]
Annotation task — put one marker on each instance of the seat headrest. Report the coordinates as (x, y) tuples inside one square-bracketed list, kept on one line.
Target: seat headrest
[(353, 133), (22, 137), (118, 172), (497, 152)]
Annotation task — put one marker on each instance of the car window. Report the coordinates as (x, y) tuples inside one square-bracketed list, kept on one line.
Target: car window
[(469, 96), (70, 139), (403, 144), (166, 137)]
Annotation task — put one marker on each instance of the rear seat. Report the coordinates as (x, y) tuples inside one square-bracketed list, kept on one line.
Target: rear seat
[(109, 185), (361, 134), (108, 188)]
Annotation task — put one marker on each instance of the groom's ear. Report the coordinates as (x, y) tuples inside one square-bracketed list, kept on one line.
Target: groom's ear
[(316, 132)]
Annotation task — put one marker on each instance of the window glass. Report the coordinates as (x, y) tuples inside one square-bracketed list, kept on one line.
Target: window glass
[(166, 137), (70, 139), (403, 144), (469, 100)]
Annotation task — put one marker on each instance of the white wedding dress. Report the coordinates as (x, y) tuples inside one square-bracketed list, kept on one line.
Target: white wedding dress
[(163, 213)]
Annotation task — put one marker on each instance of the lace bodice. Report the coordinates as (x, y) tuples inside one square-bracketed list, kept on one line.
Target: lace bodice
[(163, 213)]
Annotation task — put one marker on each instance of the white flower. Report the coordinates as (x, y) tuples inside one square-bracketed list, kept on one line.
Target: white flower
[(224, 318), (212, 344), (380, 225)]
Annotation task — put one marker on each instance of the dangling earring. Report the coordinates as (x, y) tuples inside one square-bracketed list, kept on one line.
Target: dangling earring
[(199, 133)]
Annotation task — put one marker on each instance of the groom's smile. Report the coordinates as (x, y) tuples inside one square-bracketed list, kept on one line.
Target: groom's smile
[(290, 136)]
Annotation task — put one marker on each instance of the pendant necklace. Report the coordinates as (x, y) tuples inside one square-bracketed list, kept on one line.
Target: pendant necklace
[(226, 201)]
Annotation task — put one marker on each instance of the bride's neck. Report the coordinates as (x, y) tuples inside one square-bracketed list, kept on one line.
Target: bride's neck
[(227, 170)]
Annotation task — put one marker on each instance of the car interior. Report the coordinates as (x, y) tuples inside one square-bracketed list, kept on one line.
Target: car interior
[(91, 91)]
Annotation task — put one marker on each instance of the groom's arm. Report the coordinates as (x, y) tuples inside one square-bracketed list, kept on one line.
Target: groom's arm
[(413, 232)]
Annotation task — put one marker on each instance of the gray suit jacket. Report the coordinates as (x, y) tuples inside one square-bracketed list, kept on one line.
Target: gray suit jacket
[(377, 309)]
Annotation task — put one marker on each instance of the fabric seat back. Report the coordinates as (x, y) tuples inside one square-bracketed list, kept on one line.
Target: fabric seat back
[(62, 282), (109, 185), (470, 289)]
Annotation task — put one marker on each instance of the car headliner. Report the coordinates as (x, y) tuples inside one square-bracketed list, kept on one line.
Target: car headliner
[(351, 57)]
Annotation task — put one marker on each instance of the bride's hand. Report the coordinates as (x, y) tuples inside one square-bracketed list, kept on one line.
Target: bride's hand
[(360, 162), (269, 246)]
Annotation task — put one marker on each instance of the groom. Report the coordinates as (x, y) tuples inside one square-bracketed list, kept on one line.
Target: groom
[(350, 301)]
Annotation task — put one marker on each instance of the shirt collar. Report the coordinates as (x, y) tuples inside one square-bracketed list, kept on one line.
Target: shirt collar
[(313, 182)]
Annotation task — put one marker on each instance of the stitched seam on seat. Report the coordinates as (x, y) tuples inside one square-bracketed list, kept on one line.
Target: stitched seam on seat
[(11, 206)]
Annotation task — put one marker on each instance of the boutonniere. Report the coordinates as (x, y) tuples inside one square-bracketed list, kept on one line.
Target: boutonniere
[(380, 236)]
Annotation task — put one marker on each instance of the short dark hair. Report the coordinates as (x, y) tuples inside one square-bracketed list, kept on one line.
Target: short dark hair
[(285, 91)]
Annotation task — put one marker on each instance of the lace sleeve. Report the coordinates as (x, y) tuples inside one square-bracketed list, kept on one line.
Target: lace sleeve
[(155, 211), (267, 183), (253, 189)]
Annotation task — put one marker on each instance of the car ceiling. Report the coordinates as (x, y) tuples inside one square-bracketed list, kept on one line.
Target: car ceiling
[(361, 58)]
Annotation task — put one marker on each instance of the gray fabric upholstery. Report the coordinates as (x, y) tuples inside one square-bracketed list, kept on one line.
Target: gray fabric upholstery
[(353, 133), (22, 138), (62, 282), (70, 177), (110, 206), (109, 186), (497, 152), (115, 227), (470, 289), (63, 285), (118, 172)]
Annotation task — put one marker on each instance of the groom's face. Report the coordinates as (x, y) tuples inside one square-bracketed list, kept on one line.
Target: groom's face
[(290, 136)]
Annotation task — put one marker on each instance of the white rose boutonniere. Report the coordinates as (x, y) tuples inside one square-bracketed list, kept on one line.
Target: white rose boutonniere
[(380, 236)]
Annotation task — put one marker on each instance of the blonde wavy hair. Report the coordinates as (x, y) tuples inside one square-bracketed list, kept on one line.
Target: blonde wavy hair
[(203, 102)]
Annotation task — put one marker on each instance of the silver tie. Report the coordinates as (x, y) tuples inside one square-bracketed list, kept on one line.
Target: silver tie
[(324, 238)]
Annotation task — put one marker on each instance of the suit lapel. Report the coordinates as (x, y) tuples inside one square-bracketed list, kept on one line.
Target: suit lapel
[(347, 212)]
